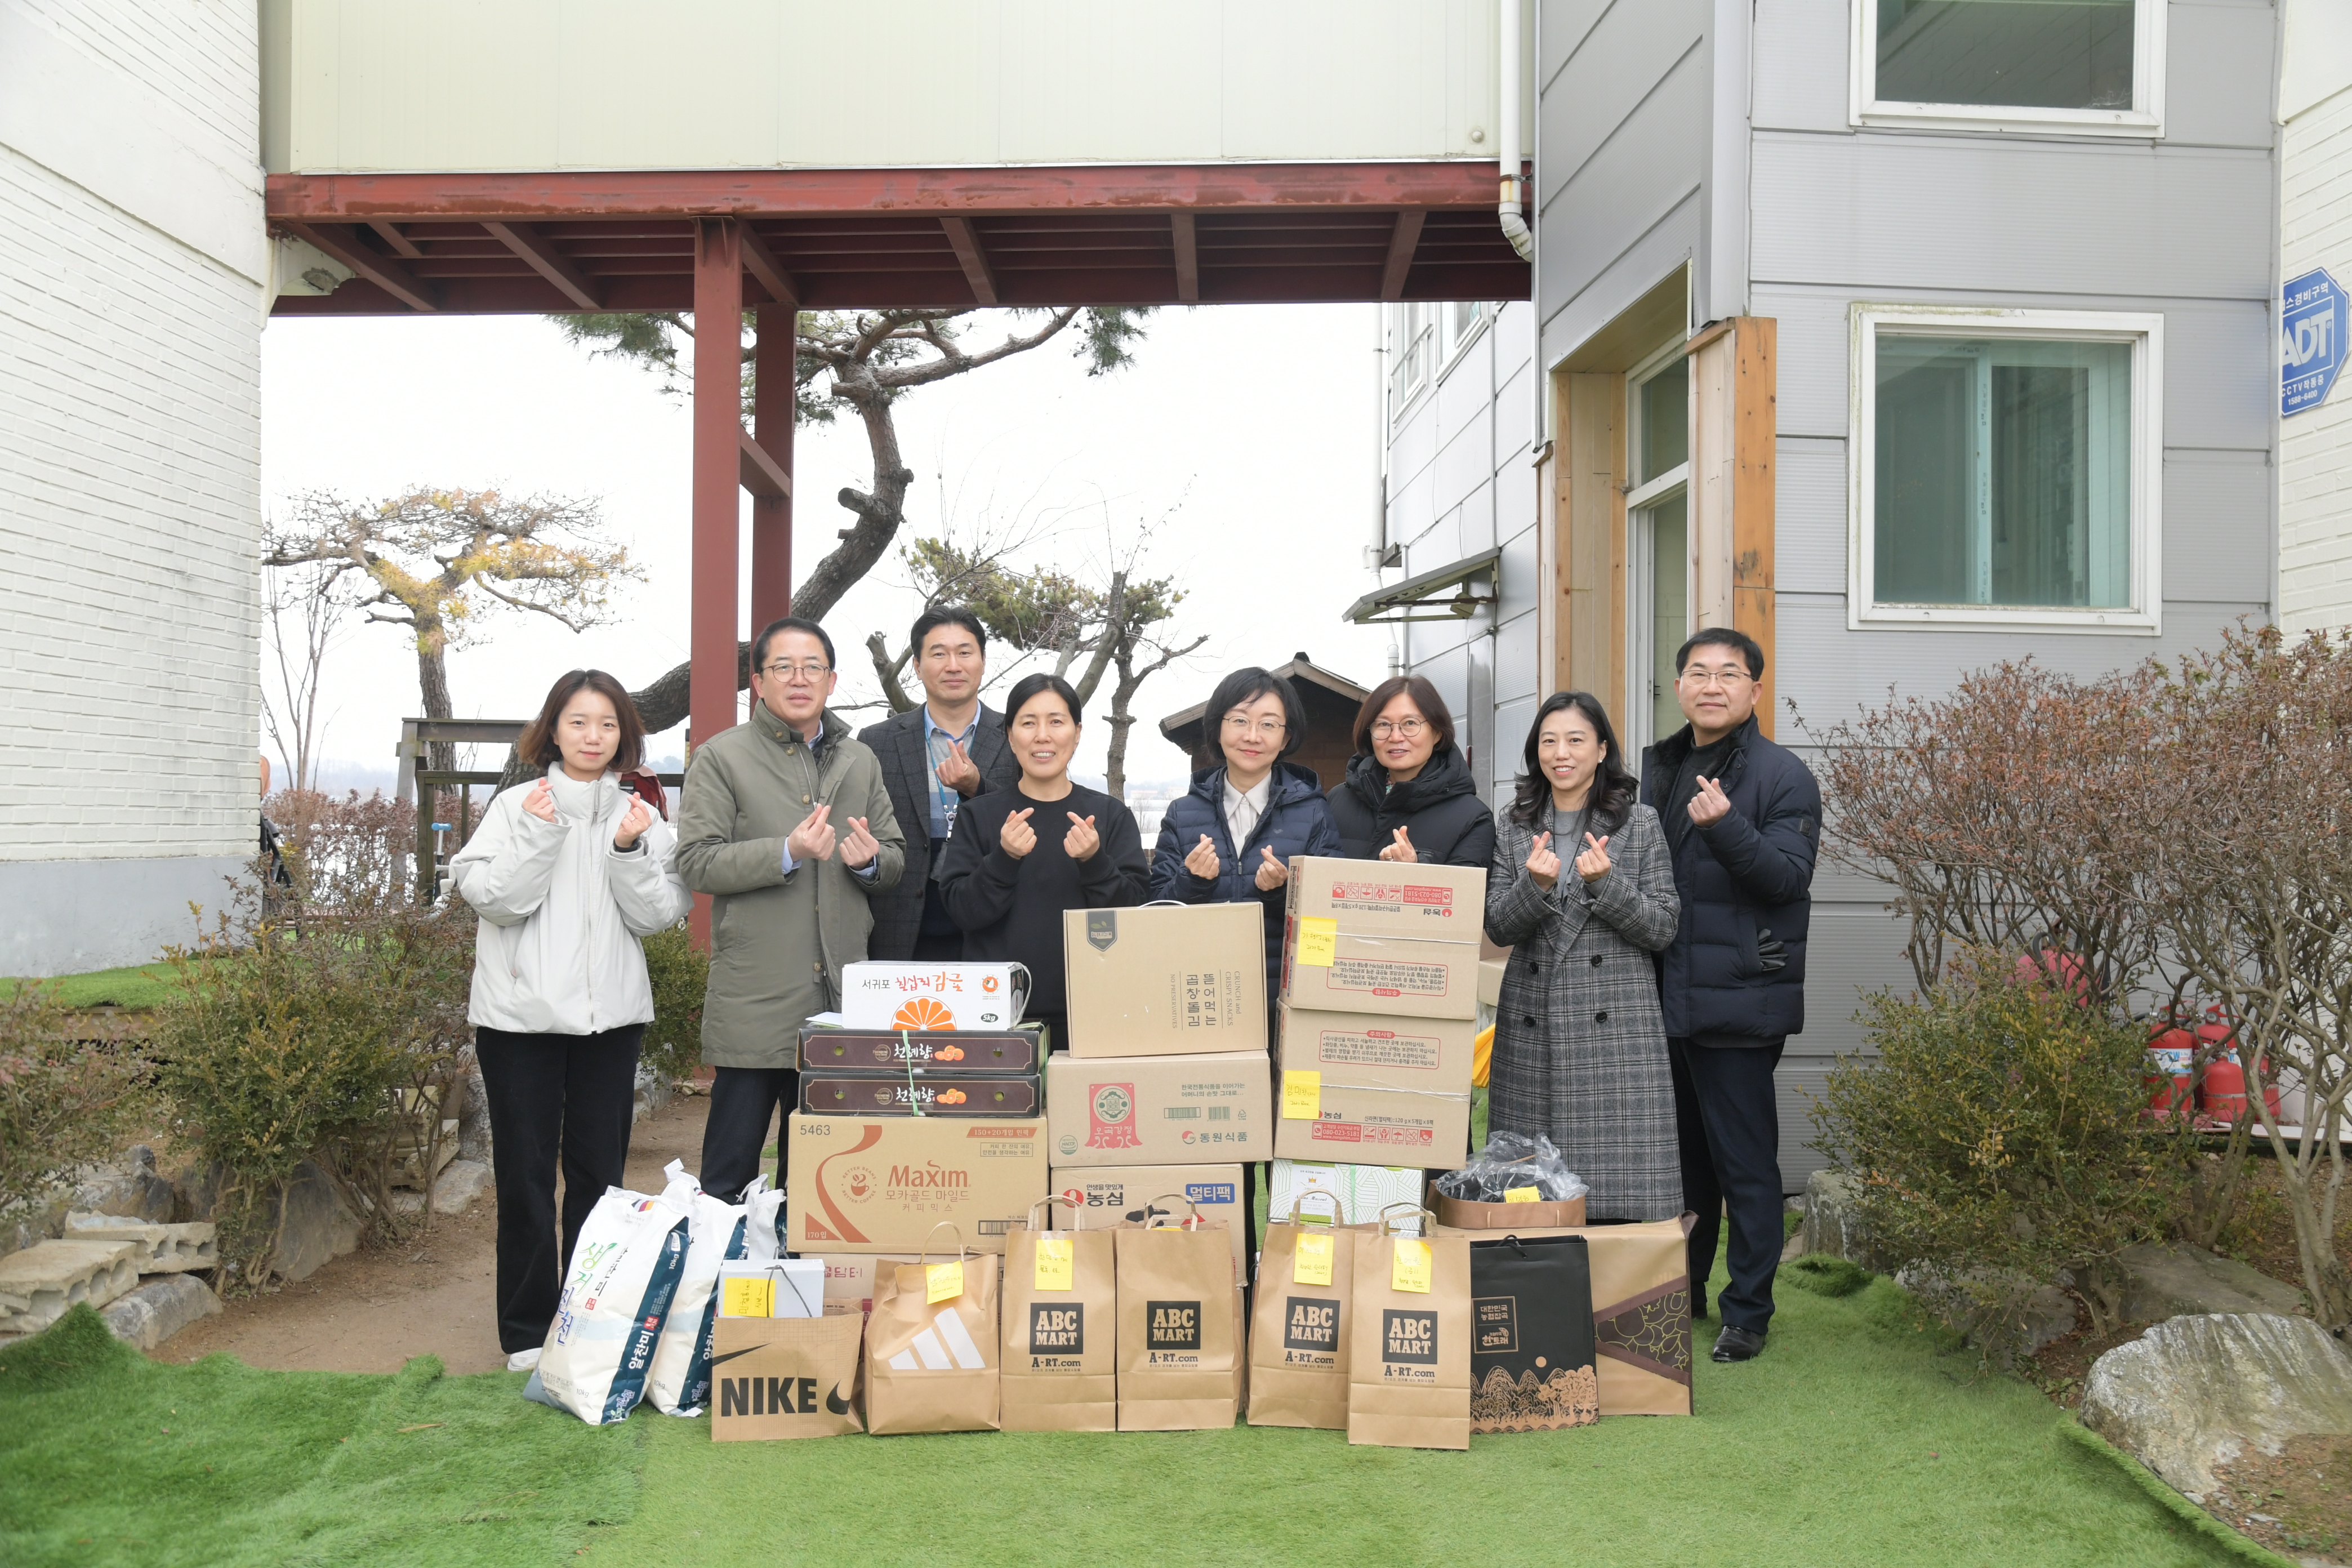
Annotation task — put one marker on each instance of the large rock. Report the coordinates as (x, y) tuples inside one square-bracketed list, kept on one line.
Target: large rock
[(319, 1225), (1830, 1225), (2199, 1390), (459, 1184), (654, 1091), (2008, 1315), (473, 1120), (129, 1188), (2166, 1281), (160, 1309)]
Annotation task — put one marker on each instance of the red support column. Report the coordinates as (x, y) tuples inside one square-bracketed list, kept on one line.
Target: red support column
[(772, 429), (717, 487)]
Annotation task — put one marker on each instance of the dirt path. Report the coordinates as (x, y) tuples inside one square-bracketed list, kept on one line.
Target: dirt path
[(373, 1309)]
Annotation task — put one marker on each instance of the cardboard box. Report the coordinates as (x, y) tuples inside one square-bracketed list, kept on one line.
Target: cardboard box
[(1363, 1190), (1107, 1194), (979, 1052), (849, 1275), (882, 1184), (902, 1093), (1380, 1127), (1158, 1111), (1170, 980), (785, 1287), (1385, 898), (879, 993), (1373, 1051), (1394, 975)]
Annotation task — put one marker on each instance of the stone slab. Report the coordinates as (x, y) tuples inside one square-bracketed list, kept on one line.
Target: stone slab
[(1830, 1226), (459, 1184), (42, 1283), (165, 1249), (2198, 1390), (2043, 1312), (159, 1308), (2166, 1280)]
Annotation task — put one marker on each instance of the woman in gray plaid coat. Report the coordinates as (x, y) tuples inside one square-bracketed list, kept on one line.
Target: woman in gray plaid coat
[(1582, 890)]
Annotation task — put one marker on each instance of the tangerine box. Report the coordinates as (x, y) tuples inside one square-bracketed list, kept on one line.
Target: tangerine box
[(926, 1051), (882, 1184), (880, 994), (918, 1094)]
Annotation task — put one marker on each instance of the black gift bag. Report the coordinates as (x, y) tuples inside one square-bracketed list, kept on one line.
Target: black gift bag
[(1531, 1350)]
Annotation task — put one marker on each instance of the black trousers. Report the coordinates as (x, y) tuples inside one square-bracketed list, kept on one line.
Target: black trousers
[(1728, 1115), (554, 1098), (743, 1106)]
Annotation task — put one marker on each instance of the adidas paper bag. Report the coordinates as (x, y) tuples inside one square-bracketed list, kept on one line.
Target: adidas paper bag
[(785, 1377), (932, 1345), (1061, 1328), (1178, 1324), (1409, 1345)]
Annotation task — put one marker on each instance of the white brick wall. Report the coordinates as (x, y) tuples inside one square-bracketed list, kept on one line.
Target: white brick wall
[(2316, 448), (130, 440)]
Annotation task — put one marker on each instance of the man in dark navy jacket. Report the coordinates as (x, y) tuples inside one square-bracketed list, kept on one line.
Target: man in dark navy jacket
[(1744, 817)]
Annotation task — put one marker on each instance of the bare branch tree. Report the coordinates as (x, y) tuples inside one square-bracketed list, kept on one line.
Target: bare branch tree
[(306, 606)]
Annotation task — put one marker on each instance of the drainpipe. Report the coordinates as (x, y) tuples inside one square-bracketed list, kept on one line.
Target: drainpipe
[(1507, 208)]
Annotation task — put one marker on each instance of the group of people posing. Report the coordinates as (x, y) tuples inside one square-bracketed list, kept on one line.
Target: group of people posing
[(1656, 925)]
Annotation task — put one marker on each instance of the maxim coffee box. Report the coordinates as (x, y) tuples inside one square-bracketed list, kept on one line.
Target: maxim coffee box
[(1107, 1194), (1158, 1111), (1374, 1050), (1387, 898), (1394, 976), (1377, 1127), (882, 1184), (1166, 980), (917, 1094)]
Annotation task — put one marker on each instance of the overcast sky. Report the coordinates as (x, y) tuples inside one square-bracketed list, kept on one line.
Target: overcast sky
[(1243, 436)]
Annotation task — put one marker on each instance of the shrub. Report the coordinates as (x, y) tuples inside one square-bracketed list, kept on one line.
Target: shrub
[(1999, 1137), (69, 1088), (681, 972)]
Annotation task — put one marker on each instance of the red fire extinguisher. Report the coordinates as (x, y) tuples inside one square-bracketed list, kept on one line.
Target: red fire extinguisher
[(2222, 1095)]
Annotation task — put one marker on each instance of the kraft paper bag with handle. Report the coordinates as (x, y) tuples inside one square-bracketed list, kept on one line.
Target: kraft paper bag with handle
[(1179, 1329), (1298, 1339), (931, 1344), (785, 1377), (1642, 1315), (1061, 1326), (1409, 1345)]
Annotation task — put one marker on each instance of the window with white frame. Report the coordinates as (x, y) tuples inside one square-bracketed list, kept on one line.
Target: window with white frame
[(1458, 323), (1658, 553), (1413, 353), (2005, 468), (2079, 67)]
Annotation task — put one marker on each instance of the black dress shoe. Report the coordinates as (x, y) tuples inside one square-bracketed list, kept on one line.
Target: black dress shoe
[(1738, 1344)]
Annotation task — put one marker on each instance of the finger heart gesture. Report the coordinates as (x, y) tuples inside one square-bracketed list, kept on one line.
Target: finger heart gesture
[(632, 826), (1081, 841), (1710, 804), (540, 802), (1202, 860), (1593, 863), (1271, 872), (1543, 866), (1403, 848), (1018, 837)]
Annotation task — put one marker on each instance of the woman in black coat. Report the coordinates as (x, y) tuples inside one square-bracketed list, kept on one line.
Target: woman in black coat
[(1019, 857), (1409, 794)]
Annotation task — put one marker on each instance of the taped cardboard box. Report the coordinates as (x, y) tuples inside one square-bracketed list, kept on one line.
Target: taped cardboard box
[(1378, 1050), (849, 1275), (1156, 1111), (1338, 972), (881, 1184), (1385, 898), (1373, 1127), (1165, 981), (983, 1052), (1363, 1190), (1112, 1195), (917, 1093)]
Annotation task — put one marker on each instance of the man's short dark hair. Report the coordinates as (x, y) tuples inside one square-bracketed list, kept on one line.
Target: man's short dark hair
[(940, 615), (782, 625), (1723, 637), (1247, 686)]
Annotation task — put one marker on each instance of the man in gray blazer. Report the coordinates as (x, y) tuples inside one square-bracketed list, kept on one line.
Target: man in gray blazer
[(934, 757)]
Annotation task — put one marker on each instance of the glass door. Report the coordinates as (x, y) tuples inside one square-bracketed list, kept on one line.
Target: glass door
[(1658, 554)]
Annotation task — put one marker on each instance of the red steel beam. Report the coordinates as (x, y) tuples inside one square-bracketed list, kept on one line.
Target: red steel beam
[(381, 271), (390, 234), (970, 257), (550, 263), (1188, 256), (970, 192), (717, 467), (780, 284), (1401, 244), (757, 470), (772, 413)]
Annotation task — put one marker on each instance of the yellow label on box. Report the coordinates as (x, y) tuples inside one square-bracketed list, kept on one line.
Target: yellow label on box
[(1319, 941), (1409, 1268), (1312, 1264), (1523, 1196), (1056, 1263), (747, 1298), (943, 1281), (1302, 1096)]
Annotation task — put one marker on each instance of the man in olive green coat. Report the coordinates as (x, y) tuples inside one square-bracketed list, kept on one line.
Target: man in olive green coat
[(786, 824)]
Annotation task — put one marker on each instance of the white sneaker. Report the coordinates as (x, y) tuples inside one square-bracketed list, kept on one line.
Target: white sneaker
[(524, 1361)]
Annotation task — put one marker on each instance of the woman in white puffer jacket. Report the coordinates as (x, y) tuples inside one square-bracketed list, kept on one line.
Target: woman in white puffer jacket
[(568, 875)]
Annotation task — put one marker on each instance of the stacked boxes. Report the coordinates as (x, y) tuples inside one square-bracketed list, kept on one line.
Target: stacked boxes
[(1166, 1090), (1380, 967)]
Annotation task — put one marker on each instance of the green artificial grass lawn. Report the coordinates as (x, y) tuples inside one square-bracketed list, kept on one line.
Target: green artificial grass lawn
[(143, 986), (1858, 1439)]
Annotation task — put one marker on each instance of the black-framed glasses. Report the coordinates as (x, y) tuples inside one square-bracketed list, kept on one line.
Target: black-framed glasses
[(786, 669)]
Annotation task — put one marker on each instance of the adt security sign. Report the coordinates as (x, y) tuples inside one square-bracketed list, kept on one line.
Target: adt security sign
[(2312, 326)]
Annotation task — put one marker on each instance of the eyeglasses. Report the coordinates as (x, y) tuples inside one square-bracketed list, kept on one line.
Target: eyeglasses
[(1700, 679), (1242, 724), (1410, 728), (787, 669)]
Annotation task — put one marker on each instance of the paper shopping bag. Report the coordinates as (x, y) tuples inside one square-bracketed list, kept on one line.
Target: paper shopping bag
[(1532, 1363), (1409, 1340), (785, 1377), (1179, 1326), (1061, 1327), (931, 1344), (1298, 1336), (1641, 1316)]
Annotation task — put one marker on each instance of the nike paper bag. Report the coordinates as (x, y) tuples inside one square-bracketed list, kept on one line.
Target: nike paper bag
[(785, 1377)]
